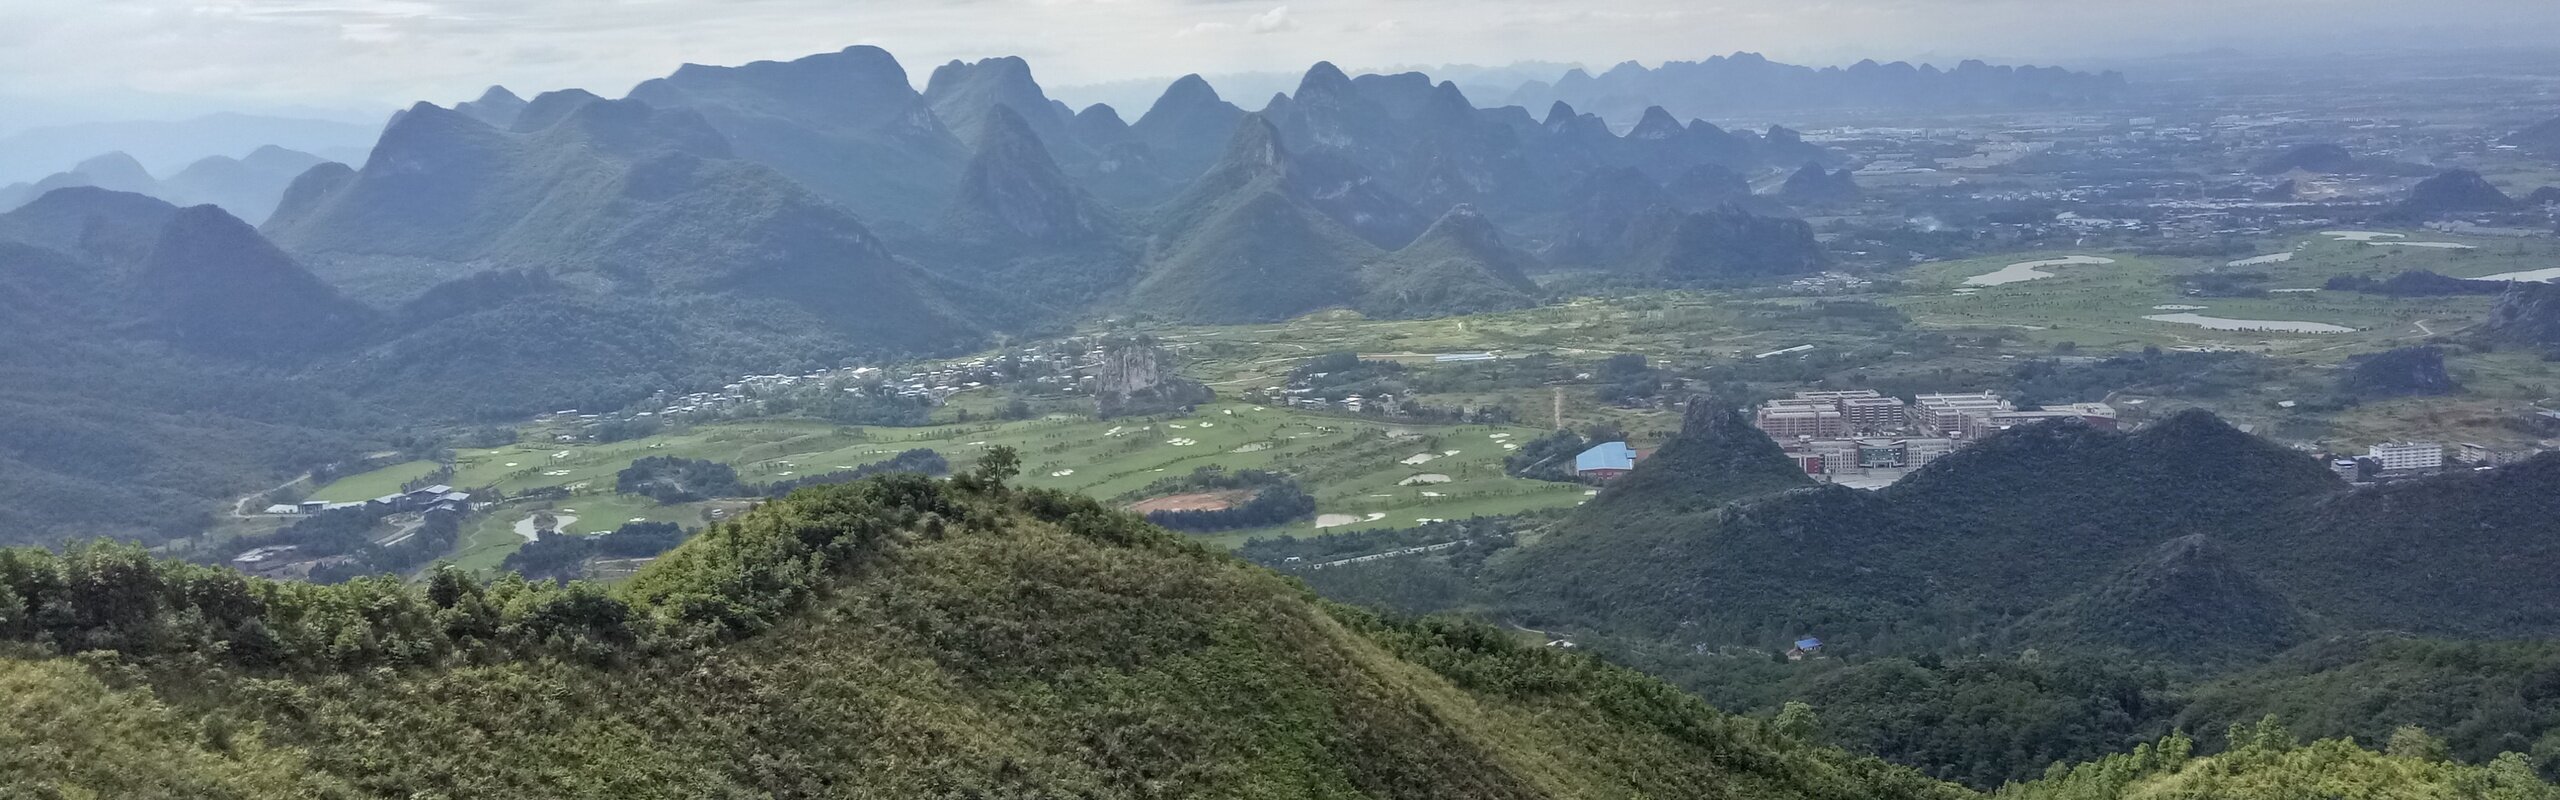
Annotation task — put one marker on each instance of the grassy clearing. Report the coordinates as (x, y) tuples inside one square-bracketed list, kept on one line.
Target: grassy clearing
[(1354, 467), (488, 539), (377, 483)]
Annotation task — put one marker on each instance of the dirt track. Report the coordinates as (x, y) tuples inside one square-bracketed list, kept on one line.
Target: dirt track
[(1201, 501)]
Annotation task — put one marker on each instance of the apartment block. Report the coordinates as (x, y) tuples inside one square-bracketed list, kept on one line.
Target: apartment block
[(2407, 456)]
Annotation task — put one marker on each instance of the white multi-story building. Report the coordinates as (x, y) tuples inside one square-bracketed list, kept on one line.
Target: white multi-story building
[(1799, 417), (1961, 416), (1835, 413), (2407, 456), (1917, 453), (1837, 454), (1872, 413)]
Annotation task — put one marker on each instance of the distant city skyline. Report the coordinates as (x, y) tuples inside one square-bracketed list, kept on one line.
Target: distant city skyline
[(161, 58)]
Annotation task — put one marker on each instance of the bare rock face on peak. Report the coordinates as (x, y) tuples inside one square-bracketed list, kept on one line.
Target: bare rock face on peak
[(2526, 314), (1137, 379)]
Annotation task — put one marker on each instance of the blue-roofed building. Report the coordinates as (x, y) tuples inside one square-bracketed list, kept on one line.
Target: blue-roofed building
[(1605, 461), (1806, 646)]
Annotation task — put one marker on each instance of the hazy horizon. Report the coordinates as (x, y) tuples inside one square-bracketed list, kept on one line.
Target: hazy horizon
[(352, 58)]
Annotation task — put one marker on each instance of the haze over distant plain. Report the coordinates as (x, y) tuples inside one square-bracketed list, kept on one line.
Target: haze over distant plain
[(118, 57)]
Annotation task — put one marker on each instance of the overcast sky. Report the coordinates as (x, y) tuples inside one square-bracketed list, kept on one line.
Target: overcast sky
[(373, 54)]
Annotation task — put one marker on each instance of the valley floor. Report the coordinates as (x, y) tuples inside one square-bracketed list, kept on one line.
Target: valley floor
[(1936, 327)]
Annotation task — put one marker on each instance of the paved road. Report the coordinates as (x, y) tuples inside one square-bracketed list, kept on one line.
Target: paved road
[(240, 507)]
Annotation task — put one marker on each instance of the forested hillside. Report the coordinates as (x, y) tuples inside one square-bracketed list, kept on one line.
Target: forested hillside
[(139, 389), (2004, 527), (2055, 593), (896, 637)]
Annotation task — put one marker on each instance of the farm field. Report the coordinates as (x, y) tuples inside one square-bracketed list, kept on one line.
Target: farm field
[(1659, 324), (1377, 474), (2103, 305)]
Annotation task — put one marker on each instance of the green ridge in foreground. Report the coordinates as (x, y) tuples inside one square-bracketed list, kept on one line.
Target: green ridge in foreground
[(900, 637), (905, 637)]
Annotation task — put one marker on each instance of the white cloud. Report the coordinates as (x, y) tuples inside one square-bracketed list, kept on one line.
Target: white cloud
[(1275, 20)]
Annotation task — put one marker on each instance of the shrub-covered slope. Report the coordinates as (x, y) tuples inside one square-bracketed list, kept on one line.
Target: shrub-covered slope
[(900, 637)]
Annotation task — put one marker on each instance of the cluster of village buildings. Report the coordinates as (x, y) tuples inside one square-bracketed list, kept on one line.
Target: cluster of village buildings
[(1837, 432), (1067, 367), (1842, 433), (432, 498)]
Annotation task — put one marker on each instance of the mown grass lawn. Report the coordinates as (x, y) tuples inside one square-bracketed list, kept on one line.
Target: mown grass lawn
[(1355, 467)]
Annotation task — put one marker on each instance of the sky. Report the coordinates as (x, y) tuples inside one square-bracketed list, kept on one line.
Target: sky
[(68, 58)]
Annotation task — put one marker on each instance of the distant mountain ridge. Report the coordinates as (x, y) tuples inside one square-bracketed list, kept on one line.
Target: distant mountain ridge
[(634, 210), (848, 125), (247, 187), (150, 357), (29, 155), (1721, 84), (1381, 155)]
